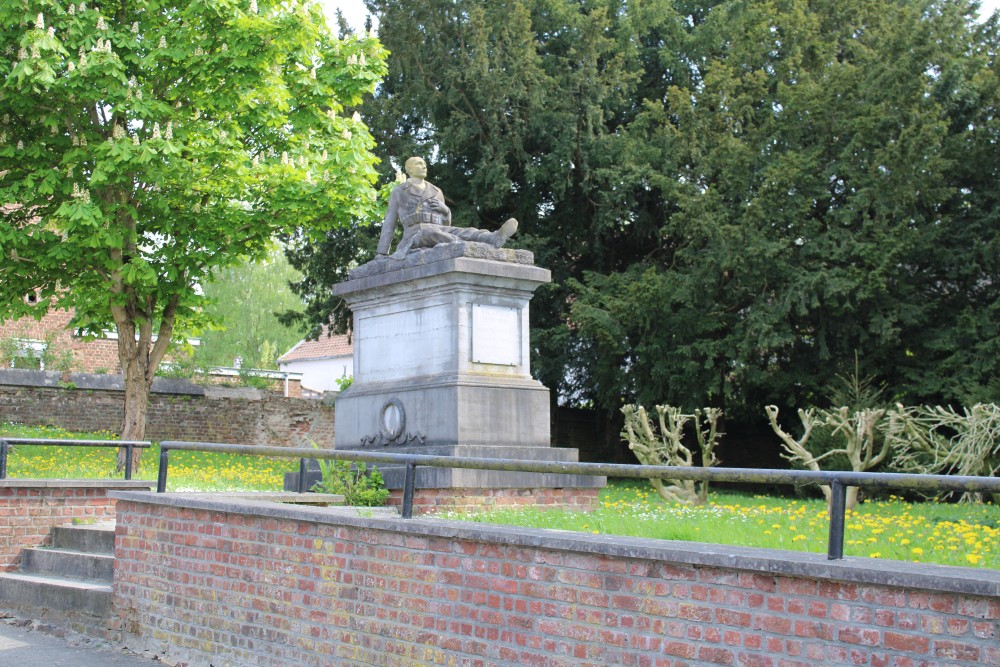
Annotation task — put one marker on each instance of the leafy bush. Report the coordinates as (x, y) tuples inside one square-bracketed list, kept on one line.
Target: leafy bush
[(359, 486)]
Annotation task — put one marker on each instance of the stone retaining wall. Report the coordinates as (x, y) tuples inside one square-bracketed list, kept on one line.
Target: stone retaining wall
[(178, 410), (202, 582), (30, 507)]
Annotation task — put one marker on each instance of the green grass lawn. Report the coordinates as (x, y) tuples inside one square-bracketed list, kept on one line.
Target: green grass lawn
[(929, 532), (189, 471), (944, 533)]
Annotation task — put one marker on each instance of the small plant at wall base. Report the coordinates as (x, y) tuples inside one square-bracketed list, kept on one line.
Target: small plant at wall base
[(359, 486)]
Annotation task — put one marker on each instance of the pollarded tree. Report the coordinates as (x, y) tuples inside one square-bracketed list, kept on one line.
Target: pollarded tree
[(144, 143)]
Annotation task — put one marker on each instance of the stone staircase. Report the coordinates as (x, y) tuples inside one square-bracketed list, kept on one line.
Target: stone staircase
[(69, 581)]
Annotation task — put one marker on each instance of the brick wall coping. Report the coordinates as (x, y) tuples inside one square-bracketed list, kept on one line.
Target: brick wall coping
[(938, 578), (110, 484)]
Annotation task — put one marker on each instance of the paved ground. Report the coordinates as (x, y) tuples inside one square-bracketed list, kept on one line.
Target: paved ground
[(24, 647)]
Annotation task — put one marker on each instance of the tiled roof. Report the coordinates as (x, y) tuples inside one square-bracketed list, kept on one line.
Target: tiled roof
[(326, 346)]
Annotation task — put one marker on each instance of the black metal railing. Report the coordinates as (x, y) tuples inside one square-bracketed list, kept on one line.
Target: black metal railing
[(838, 481), (129, 445)]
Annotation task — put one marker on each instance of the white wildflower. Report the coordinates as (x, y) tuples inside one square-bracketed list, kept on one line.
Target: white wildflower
[(346, 134), (156, 130), (76, 190), (70, 67), (132, 81), (138, 94), (225, 47), (72, 10), (361, 59), (177, 104), (163, 42), (22, 53), (284, 157), (356, 117), (253, 6), (223, 135), (101, 25), (168, 133), (331, 114), (352, 59), (40, 21), (199, 51), (135, 28), (302, 160), (117, 131), (52, 31), (69, 172), (53, 130), (135, 139), (83, 60), (197, 114), (34, 51), (309, 179), (6, 118), (197, 207), (325, 155), (3, 137), (82, 7), (83, 140), (76, 140), (255, 161), (100, 44), (312, 72)]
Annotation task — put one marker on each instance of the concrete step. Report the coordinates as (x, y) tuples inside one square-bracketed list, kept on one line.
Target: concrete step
[(33, 592), (95, 538), (71, 564)]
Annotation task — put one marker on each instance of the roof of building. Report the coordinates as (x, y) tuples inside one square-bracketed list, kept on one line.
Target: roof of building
[(325, 347)]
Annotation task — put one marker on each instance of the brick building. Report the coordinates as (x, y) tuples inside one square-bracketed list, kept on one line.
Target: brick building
[(29, 339)]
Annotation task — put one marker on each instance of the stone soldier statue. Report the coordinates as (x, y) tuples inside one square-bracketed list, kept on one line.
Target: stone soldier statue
[(426, 219)]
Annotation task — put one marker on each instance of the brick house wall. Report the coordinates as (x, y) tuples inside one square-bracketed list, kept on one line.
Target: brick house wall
[(88, 356), (202, 582)]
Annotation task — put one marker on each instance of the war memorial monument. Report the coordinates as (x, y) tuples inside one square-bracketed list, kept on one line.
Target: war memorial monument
[(441, 348)]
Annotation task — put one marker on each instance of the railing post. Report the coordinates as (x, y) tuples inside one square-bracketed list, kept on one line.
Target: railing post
[(128, 461), (161, 475), (3, 459), (838, 505), (302, 475), (409, 481)]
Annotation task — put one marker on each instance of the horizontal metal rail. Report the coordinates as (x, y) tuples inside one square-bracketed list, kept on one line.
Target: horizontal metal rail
[(129, 445), (838, 481)]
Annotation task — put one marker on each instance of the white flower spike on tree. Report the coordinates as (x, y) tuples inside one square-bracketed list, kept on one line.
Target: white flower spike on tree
[(151, 220)]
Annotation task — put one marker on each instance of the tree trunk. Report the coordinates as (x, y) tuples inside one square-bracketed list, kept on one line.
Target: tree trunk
[(136, 407)]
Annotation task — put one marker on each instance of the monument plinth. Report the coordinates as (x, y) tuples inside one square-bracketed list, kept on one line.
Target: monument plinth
[(442, 365)]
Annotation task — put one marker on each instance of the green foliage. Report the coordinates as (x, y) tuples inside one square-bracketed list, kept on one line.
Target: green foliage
[(359, 486), (344, 382), (145, 145), (245, 300), (733, 197)]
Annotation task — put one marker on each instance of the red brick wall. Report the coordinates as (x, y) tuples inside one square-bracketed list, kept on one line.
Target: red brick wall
[(88, 356), (204, 583), (432, 501), (29, 509), (267, 420)]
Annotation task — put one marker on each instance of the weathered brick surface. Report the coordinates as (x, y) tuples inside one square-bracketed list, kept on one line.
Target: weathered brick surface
[(268, 420), (433, 501), (231, 587), (28, 513)]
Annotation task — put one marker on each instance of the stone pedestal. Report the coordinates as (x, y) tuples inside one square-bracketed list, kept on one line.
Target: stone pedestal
[(441, 365)]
